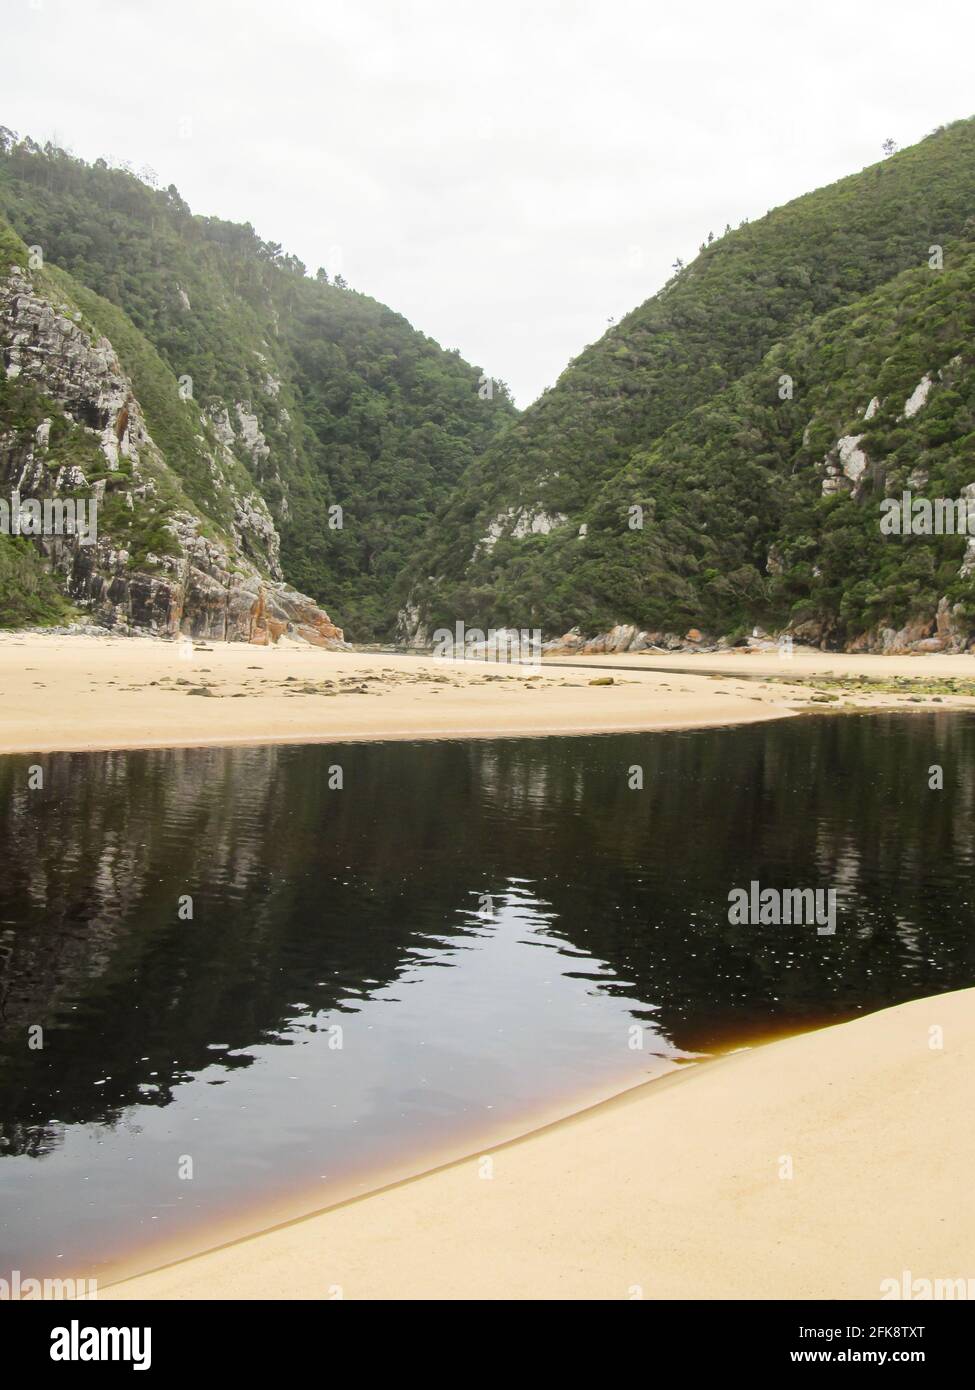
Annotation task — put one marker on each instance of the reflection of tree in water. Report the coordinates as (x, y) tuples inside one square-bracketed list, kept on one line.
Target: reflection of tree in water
[(307, 900)]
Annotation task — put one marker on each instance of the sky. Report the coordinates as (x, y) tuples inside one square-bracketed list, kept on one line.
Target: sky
[(510, 176)]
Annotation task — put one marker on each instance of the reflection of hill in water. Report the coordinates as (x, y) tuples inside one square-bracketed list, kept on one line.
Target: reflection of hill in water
[(641, 879), (307, 899), (297, 908)]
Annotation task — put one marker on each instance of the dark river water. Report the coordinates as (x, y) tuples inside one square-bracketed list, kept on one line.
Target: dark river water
[(461, 939)]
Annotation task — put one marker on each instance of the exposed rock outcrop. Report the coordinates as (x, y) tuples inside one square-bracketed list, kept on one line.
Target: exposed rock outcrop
[(518, 522), (917, 398), (944, 631), (626, 637), (844, 466), (200, 579)]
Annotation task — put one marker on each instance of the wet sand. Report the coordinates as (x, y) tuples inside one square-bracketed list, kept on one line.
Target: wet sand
[(814, 1167)]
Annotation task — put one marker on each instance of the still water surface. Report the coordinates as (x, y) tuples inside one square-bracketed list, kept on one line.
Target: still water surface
[(462, 939)]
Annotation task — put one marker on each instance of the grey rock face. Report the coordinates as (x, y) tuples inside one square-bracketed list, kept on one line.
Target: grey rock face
[(217, 587)]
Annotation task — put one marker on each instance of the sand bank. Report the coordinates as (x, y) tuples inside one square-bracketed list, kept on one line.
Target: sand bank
[(803, 663), (83, 693), (676, 1189), (673, 1189)]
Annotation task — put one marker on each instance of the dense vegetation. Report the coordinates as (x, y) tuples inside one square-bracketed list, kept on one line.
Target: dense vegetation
[(677, 411), (346, 404), (678, 416), (740, 479), (28, 593)]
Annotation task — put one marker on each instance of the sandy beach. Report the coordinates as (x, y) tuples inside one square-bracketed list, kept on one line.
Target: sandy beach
[(84, 693), (785, 1171), (792, 1170), (441, 859)]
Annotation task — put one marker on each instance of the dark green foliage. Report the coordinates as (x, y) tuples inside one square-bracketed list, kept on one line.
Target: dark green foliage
[(677, 409), (28, 593), (357, 409)]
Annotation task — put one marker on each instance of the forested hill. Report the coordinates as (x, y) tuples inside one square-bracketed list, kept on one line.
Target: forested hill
[(720, 408), (717, 459), (326, 397)]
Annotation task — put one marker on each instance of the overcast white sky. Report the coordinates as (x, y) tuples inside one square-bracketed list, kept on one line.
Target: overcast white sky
[(509, 175)]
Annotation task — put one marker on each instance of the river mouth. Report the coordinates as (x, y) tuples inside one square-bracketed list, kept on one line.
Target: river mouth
[(269, 978)]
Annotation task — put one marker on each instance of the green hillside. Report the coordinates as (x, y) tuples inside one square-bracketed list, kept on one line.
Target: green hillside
[(740, 480), (677, 410), (691, 469), (326, 397)]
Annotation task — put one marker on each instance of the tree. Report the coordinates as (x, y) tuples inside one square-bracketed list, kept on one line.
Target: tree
[(889, 146), (179, 206)]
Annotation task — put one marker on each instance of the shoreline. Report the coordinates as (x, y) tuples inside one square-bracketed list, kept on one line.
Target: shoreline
[(277, 1213), (94, 694), (675, 1187), (575, 1194), (445, 735)]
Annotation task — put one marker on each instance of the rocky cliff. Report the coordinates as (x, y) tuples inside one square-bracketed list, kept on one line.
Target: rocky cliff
[(315, 427), (72, 426)]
